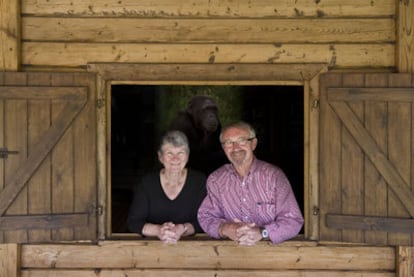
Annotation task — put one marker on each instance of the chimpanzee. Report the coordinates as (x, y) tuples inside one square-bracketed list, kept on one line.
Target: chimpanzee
[(201, 123)]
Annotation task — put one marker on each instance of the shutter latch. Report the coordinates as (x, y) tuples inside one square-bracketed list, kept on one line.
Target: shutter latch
[(4, 153)]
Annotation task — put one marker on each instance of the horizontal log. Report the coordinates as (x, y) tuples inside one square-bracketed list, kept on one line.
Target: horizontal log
[(201, 273), (213, 8), (207, 255), (79, 54), (265, 73), (208, 31)]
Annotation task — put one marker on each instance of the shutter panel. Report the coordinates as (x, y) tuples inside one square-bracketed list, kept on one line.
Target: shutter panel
[(48, 165), (366, 158)]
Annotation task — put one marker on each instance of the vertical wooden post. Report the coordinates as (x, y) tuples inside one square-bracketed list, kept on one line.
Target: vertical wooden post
[(9, 260), (405, 39), (10, 35), (404, 261)]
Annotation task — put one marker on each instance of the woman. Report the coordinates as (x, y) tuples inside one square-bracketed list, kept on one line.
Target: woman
[(165, 203)]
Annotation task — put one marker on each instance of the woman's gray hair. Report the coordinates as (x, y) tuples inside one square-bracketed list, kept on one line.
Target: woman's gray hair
[(239, 125), (176, 138)]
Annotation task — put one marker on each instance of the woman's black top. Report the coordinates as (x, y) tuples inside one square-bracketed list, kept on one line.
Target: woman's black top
[(150, 204)]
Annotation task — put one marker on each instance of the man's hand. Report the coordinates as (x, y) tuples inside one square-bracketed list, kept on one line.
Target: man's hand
[(242, 232)]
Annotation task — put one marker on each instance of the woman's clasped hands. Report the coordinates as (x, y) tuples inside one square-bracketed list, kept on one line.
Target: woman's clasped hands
[(170, 232)]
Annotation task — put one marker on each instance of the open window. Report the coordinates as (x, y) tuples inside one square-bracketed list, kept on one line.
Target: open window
[(277, 83), (140, 113)]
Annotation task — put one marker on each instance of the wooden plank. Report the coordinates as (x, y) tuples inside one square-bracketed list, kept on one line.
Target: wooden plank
[(50, 221), (214, 8), (214, 254), (103, 120), (352, 160), (136, 30), (16, 136), (377, 157), (39, 185), (400, 153), (85, 166), (43, 93), (375, 193), (405, 261), (329, 168), (17, 182), (294, 73), (63, 170), (387, 94), (405, 39), (2, 161), (10, 260), (370, 223), (10, 35), (312, 127), (80, 54), (201, 273)]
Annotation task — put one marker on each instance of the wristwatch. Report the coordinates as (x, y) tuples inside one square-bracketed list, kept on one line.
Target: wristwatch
[(265, 233)]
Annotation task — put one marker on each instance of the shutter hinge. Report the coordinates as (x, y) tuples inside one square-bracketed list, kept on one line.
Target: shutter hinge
[(95, 210), (100, 103), (316, 210), (315, 104)]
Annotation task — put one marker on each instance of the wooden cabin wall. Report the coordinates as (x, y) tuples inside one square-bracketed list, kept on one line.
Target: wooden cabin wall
[(62, 35), (341, 33)]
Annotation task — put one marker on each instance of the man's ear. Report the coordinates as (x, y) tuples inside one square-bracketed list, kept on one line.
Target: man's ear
[(254, 143)]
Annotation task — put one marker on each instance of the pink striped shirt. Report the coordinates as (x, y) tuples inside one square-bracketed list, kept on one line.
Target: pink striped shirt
[(264, 197)]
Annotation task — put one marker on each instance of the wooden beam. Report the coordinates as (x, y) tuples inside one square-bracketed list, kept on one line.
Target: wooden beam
[(405, 38), (9, 260), (336, 56), (10, 35), (404, 261), (212, 254), (212, 8), (277, 31), (253, 73), (31, 222), (202, 273), (370, 223)]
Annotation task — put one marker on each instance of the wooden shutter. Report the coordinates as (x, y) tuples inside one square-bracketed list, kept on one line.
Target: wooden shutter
[(367, 158), (48, 149)]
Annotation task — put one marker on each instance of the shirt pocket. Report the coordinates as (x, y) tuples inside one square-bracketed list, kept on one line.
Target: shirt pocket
[(265, 211)]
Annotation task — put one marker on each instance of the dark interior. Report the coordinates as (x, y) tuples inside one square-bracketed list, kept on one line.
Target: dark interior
[(276, 112)]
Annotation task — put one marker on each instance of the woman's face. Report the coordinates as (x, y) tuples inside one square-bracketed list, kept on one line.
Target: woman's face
[(173, 158)]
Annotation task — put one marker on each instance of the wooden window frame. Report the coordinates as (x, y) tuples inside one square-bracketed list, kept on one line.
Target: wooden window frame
[(306, 75)]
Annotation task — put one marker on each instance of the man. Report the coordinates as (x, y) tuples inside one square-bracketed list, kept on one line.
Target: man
[(249, 199)]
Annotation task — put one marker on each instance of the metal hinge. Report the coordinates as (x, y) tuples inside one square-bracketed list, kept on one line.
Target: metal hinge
[(100, 103), (315, 104), (95, 210), (4, 153), (316, 210)]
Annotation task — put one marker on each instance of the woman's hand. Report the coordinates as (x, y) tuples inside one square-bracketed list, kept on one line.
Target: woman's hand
[(171, 233)]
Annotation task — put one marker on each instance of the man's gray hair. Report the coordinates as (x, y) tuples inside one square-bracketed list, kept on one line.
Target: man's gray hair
[(239, 125)]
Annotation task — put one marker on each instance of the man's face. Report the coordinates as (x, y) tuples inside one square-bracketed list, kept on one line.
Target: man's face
[(238, 146)]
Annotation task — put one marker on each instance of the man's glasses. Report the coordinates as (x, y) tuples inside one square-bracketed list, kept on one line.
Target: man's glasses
[(239, 142)]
